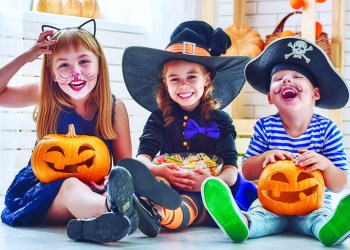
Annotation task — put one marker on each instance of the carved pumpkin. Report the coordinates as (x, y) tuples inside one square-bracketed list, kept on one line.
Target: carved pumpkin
[(82, 8), (286, 189), (59, 156), (245, 41)]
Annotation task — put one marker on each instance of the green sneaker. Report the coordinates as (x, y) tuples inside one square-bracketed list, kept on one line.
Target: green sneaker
[(219, 202), (337, 229)]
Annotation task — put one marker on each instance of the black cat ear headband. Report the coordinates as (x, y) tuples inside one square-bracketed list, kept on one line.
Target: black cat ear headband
[(80, 27)]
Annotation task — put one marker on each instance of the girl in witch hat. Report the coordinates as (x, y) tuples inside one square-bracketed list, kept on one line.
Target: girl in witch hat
[(186, 86)]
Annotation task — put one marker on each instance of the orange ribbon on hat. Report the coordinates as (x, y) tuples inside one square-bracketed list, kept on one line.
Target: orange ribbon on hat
[(187, 48)]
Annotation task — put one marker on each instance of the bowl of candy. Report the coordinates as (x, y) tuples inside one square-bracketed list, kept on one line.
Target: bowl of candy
[(189, 161)]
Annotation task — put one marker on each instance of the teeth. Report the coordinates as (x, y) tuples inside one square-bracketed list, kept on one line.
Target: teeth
[(276, 193), (184, 95), (302, 196)]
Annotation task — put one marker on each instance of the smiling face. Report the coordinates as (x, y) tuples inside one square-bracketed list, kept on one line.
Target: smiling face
[(75, 71), (292, 91), (286, 189), (185, 82)]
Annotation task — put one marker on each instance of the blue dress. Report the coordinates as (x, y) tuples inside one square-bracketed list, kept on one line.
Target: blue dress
[(27, 200)]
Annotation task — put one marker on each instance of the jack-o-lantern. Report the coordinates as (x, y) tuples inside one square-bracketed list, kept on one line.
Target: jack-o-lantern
[(59, 156), (286, 189)]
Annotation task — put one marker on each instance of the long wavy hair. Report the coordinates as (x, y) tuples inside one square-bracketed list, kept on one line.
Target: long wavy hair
[(52, 99), (207, 102)]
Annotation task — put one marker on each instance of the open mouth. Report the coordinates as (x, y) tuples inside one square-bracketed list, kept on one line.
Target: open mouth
[(288, 93), (73, 168), (289, 197), (185, 95), (77, 85)]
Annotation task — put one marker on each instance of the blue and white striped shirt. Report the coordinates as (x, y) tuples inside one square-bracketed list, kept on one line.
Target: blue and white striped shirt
[(322, 136)]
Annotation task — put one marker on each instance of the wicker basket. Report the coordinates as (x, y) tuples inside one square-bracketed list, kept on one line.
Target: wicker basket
[(321, 40)]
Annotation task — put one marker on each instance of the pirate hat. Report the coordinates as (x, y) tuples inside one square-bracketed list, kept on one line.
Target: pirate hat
[(193, 41), (299, 54)]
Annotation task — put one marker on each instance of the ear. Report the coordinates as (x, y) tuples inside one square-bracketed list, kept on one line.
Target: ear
[(207, 79), (90, 26), (269, 98), (317, 94)]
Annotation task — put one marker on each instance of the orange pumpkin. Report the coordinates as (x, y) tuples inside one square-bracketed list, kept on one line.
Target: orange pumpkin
[(59, 156), (286, 189), (82, 8), (245, 41)]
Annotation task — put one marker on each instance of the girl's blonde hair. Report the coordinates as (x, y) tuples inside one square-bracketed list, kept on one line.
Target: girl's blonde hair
[(52, 100), (207, 102)]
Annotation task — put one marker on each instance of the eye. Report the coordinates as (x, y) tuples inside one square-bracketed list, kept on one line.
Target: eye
[(279, 177), (63, 65), (84, 61), (191, 77), (303, 176), (55, 149), (85, 147)]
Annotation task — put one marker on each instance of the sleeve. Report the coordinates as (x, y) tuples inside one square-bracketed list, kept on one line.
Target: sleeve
[(334, 147), (258, 143), (226, 147), (153, 135)]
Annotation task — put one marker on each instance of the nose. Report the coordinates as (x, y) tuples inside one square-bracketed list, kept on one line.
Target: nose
[(287, 79), (74, 74), (184, 85)]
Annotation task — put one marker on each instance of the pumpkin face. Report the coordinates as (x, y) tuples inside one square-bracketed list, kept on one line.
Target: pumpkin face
[(59, 156), (286, 189)]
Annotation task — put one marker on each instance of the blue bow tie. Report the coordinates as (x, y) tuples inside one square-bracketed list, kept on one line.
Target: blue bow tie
[(192, 129)]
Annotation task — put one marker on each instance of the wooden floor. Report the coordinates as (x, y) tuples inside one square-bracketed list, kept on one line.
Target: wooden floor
[(54, 237)]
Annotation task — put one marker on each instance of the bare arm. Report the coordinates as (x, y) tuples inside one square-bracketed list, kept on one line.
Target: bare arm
[(25, 95), (122, 145), (254, 165)]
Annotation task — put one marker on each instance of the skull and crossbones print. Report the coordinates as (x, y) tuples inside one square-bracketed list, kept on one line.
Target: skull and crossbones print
[(299, 48)]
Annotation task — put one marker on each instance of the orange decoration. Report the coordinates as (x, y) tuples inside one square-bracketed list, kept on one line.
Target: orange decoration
[(320, 1), (287, 33), (296, 4), (245, 41), (319, 28), (59, 156), (286, 189)]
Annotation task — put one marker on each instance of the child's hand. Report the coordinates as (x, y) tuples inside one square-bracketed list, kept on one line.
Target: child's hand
[(176, 176), (274, 155), (40, 47), (313, 160), (198, 177), (99, 186)]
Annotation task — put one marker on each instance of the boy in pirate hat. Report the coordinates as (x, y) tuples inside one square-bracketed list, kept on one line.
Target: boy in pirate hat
[(185, 87), (296, 75)]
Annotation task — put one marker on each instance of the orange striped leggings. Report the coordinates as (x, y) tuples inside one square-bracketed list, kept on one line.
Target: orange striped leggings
[(189, 212)]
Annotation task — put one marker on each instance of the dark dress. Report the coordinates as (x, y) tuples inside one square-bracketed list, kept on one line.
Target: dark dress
[(159, 139), (27, 200)]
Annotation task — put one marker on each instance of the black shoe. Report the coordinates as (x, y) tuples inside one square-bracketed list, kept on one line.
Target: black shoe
[(147, 185), (149, 219), (108, 227), (120, 195)]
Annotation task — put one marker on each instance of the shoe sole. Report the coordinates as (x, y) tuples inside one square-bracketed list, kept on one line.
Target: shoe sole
[(147, 185), (147, 223), (338, 227), (121, 190), (108, 227), (219, 202)]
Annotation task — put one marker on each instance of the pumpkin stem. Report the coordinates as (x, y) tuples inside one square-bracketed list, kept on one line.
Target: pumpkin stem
[(71, 131)]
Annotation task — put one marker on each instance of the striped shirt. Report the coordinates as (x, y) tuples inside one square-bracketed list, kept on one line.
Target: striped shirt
[(322, 136)]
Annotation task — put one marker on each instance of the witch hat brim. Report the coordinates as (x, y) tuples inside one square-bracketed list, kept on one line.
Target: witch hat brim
[(309, 56), (141, 66)]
